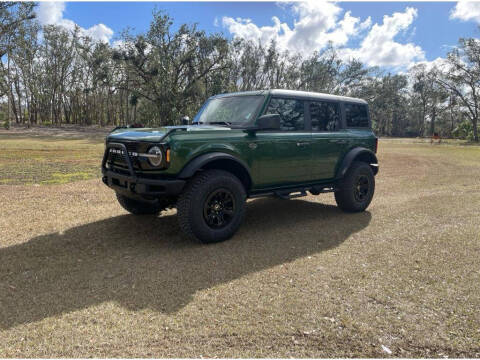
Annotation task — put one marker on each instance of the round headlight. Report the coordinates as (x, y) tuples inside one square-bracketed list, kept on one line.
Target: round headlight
[(155, 158)]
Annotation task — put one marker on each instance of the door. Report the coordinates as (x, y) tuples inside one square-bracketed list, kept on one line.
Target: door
[(329, 142), (284, 155)]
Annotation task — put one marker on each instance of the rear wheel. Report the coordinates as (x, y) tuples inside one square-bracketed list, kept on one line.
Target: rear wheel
[(143, 208), (212, 206), (356, 188)]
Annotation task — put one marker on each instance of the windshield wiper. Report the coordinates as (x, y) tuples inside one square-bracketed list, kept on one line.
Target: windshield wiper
[(226, 123)]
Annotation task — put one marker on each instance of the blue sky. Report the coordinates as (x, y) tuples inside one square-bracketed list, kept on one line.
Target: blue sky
[(411, 32)]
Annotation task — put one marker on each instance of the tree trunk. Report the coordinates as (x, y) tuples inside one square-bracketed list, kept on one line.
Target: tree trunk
[(452, 121), (14, 106), (432, 122), (475, 130)]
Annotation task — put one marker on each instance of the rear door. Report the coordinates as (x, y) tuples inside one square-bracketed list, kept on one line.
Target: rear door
[(284, 155), (329, 140)]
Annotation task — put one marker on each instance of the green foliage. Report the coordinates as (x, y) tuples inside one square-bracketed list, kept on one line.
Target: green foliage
[(12, 15), (4, 120), (464, 130)]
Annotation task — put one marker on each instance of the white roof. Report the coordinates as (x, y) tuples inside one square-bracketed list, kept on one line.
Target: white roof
[(315, 95)]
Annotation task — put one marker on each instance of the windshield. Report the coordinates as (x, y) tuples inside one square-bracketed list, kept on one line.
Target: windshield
[(231, 110)]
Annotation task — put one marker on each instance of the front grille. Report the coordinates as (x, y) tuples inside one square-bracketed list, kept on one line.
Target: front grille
[(131, 146), (117, 162), (117, 158)]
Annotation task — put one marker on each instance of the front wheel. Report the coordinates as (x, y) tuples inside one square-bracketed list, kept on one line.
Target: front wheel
[(356, 188), (212, 206)]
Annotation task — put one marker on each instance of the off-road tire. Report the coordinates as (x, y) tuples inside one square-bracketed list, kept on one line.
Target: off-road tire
[(191, 205), (349, 198), (136, 207)]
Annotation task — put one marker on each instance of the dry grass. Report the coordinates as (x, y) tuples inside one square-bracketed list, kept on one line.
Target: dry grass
[(30, 159), (81, 278)]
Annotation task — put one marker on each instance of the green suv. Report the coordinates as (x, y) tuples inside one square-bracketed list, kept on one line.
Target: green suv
[(245, 145)]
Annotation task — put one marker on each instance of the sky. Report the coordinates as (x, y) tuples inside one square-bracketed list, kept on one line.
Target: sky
[(392, 35)]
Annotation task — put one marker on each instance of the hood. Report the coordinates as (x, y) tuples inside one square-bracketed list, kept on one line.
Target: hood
[(157, 134)]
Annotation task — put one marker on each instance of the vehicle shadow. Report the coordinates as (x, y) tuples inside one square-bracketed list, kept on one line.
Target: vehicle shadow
[(145, 262)]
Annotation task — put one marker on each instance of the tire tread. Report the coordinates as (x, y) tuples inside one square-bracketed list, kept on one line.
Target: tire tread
[(185, 201)]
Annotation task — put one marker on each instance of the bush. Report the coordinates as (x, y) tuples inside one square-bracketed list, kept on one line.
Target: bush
[(464, 130), (4, 119)]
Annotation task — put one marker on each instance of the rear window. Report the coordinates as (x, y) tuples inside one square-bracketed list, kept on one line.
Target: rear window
[(356, 115)]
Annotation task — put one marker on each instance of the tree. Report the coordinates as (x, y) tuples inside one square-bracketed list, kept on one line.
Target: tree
[(169, 69), (462, 77), (12, 14), (433, 96)]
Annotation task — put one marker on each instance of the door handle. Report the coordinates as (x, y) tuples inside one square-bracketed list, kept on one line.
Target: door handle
[(302, 143), (337, 141)]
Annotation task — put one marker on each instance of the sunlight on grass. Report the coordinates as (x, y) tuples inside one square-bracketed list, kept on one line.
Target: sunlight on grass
[(59, 178), (48, 161)]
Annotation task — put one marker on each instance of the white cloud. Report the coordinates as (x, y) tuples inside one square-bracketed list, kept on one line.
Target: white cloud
[(51, 13), (439, 63), (466, 10), (379, 47), (100, 32), (317, 23), (118, 44)]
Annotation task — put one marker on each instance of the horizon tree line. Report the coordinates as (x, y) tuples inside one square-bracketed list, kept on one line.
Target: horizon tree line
[(50, 75)]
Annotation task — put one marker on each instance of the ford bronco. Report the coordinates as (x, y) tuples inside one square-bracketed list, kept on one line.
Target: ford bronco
[(245, 145)]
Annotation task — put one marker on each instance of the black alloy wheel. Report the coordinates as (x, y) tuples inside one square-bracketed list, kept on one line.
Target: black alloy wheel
[(219, 208), (362, 187)]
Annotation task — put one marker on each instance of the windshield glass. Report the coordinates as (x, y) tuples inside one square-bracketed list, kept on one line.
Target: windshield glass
[(231, 110)]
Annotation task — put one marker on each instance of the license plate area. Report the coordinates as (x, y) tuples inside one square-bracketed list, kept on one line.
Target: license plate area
[(117, 182)]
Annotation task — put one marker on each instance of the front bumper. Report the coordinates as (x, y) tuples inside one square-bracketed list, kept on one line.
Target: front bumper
[(134, 186)]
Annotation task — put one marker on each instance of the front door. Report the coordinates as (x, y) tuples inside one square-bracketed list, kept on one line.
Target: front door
[(284, 156)]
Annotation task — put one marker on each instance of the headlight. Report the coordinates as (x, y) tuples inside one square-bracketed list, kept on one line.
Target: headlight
[(155, 156)]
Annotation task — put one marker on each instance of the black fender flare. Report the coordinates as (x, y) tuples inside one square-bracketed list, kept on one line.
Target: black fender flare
[(203, 160), (361, 153)]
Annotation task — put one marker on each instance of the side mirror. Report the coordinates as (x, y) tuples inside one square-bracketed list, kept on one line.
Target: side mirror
[(268, 122), (136, 125), (185, 120)]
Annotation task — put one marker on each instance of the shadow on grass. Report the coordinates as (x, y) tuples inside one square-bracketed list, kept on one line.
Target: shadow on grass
[(144, 262)]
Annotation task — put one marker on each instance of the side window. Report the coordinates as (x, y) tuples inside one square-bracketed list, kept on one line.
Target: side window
[(291, 113), (325, 116), (356, 115)]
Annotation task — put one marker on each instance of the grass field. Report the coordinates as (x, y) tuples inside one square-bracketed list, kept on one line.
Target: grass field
[(79, 277)]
